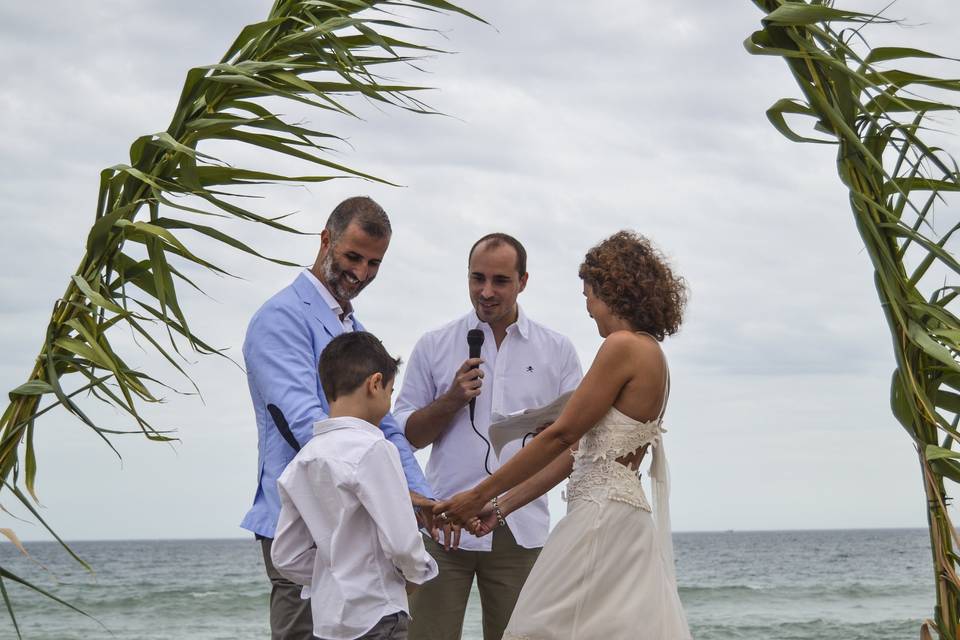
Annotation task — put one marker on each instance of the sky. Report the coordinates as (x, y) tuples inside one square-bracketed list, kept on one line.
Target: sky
[(562, 125)]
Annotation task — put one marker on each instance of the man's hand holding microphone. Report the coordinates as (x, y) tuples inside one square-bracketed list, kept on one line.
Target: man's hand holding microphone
[(466, 382)]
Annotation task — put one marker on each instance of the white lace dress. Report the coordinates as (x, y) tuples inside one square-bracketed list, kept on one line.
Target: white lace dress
[(606, 571)]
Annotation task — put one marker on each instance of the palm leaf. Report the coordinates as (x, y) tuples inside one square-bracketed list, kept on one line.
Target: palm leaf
[(322, 54), (894, 178)]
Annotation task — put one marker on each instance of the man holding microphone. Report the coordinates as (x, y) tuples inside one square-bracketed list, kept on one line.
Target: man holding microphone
[(521, 364)]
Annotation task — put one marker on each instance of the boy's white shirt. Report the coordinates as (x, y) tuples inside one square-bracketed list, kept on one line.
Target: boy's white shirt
[(347, 531)]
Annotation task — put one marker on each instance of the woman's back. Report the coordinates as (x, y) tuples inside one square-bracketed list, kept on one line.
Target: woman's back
[(644, 396), (597, 475)]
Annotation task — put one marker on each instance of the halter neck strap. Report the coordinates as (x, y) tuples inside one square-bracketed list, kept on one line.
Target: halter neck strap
[(666, 373)]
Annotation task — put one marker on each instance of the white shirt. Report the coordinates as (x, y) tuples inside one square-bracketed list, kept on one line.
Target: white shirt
[(347, 531), (532, 367), (347, 320)]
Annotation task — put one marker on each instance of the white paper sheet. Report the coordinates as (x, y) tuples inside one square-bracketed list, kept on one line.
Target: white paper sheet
[(515, 426)]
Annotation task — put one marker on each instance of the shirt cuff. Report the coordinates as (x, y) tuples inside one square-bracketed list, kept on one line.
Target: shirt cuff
[(401, 418)]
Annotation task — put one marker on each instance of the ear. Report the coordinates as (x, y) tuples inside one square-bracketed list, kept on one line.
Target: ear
[(374, 383), (523, 281), (324, 241)]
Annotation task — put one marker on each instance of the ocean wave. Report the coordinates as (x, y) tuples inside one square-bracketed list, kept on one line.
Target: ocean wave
[(723, 587), (818, 628), (855, 590)]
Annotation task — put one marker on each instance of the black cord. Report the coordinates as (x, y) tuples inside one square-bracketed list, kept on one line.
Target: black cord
[(486, 456)]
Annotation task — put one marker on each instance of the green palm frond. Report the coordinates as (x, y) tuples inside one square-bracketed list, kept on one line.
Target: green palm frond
[(321, 53), (883, 121)]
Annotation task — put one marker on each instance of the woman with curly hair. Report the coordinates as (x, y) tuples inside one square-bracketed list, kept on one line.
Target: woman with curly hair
[(606, 571)]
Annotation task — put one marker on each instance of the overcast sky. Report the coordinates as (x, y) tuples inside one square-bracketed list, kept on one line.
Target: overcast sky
[(565, 124)]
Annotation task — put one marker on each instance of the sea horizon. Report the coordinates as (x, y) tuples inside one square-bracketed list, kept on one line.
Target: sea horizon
[(249, 535)]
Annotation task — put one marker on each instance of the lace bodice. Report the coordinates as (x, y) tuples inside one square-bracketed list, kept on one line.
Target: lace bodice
[(597, 476)]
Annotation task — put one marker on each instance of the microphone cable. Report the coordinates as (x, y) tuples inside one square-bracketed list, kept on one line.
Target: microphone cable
[(475, 343), (486, 456)]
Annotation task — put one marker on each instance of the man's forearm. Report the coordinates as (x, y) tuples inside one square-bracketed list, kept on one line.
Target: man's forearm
[(425, 425)]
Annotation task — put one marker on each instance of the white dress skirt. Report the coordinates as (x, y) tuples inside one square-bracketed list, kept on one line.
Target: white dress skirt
[(606, 570)]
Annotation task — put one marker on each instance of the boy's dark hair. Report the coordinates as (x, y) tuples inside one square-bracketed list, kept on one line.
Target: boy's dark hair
[(351, 358)]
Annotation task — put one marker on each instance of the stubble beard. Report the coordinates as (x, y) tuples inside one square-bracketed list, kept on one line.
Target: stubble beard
[(333, 275), (491, 317)]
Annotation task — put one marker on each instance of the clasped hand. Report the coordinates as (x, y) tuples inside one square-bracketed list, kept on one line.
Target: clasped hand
[(469, 509), (438, 529)]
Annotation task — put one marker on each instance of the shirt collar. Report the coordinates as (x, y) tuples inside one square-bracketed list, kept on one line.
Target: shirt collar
[(521, 326), (327, 296), (332, 424)]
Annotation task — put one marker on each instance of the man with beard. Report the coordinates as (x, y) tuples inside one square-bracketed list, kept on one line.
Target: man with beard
[(281, 351)]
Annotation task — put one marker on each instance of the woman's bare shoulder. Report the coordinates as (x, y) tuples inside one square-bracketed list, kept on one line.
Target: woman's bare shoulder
[(633, 352), (639, 344)]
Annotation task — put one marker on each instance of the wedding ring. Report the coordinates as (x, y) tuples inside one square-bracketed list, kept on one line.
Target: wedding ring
[(443, 515)]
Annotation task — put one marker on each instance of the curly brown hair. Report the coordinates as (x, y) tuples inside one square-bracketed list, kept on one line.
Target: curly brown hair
[(634, 279)]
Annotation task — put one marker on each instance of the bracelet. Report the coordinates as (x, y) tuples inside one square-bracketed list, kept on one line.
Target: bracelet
[(496, 509)]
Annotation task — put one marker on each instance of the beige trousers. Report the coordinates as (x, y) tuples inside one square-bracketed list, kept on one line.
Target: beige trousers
[(437, 607), (290, 617)]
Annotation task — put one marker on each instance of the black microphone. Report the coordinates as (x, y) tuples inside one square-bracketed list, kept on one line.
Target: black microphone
[(475, 340)]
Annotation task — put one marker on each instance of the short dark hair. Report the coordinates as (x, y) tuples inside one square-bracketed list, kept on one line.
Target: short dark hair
[(495, 240), (363, 211), (351, 358)]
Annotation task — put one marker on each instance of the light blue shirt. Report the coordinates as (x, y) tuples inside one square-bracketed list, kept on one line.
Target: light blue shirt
[(281, 351)]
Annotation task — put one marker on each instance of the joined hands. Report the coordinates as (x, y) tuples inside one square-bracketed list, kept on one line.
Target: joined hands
[(484, 522), (467, 509), (428, 518)]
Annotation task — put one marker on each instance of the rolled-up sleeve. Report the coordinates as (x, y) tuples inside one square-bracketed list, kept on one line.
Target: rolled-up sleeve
[(380, 489), (570, 370), (418, 389)]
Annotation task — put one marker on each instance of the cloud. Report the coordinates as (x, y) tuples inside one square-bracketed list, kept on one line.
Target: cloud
[(563, 124)]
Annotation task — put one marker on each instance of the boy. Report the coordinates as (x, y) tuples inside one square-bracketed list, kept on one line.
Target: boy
[(346, 530)]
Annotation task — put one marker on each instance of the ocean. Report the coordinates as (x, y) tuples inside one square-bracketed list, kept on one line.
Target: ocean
[(782, 585)]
